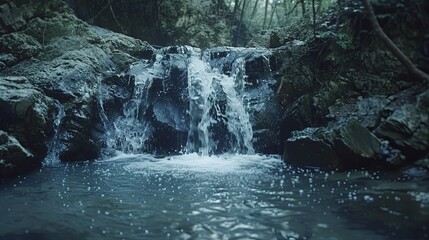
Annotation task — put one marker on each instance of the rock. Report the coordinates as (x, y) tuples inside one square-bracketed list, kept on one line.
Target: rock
[(355, 144), (26, 113), (115, 91), (306, 149), (56, 56), (345, 145), (406, 126), (298, 116), (18, 46), (14, 15), (14, 158), (75, 135), (265, 117), (368, 111)]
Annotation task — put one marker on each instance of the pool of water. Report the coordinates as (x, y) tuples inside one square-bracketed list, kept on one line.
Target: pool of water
[(218, 197)]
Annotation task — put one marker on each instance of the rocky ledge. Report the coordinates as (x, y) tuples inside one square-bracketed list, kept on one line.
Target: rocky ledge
[(349, 103), (51, 68)]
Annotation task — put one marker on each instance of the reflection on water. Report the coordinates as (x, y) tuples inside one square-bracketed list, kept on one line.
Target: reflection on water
[(222, 197)]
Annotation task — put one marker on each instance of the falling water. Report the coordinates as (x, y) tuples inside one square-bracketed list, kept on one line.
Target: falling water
[(54, 145), (207, 86), (131, 129), (214, 118)]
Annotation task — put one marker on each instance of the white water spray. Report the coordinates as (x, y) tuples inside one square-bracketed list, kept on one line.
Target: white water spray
[(181, 91), (208, 90), (54, 147)]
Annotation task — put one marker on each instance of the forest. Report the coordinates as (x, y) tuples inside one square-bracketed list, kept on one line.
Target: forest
[(214, 119)]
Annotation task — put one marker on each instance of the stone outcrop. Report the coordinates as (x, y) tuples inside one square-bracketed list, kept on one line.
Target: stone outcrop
[(347, 74), (14, 158), (52, 62), (343, 146), (26, 113)]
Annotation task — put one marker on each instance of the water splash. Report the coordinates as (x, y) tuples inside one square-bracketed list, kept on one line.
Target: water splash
[(216, 99), (130, 130), (54, 147), (183, 90)]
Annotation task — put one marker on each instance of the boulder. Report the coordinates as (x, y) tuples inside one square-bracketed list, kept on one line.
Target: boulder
[(14, 158), (345, 145), (298, 116), (407, 127), (16, 47), (307, 148), (15, 14), (26, 113), (50, 63), (368, 111)]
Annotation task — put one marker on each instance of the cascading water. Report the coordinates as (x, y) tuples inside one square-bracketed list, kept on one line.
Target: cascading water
[(131, 131), (187, 101), (222, 102), (209, 89), (54, 147)]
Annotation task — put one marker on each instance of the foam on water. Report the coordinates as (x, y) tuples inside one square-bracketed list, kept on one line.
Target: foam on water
[(219, 164)]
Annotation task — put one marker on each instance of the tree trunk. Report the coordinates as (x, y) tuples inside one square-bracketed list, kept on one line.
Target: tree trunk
[(303, 7), (411, 68), (265, 13), (273, 11), (313, 4), (255, 7)]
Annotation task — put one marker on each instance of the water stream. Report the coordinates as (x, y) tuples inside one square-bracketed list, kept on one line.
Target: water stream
[(210, 197), (214, 186), (54, 146)]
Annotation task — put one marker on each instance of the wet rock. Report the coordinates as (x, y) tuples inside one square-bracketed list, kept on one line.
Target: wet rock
[(368, 111), (259, 92), (14, 158), (15, 14), (27, 113), (345, 145), (61, 58), (76, 138), (307, 148), (407, 127), (115, 91), (265, 116), (298, 116), (355, 144), (16, 47)]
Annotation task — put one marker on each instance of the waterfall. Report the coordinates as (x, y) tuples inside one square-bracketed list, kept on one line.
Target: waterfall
[(131, 130), (52, 157), (207, 88), (187, 101)]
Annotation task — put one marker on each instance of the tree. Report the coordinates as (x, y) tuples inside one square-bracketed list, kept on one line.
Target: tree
[(267, 2), (411, 68)]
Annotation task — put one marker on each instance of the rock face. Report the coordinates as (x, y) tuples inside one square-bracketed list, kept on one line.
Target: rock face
[(407, 128), (27, 113), (348, 102), (14, 158), (349, 145), (52, 67), (64, 84)]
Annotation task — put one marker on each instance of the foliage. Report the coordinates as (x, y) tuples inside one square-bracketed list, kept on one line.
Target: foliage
[(342, 40)]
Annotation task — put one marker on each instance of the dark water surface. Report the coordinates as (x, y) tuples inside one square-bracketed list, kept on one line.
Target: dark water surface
[(223, 197)]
